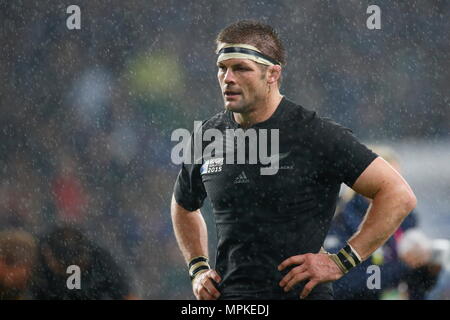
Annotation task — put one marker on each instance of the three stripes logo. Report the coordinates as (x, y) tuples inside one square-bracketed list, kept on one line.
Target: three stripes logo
[(241, 178)]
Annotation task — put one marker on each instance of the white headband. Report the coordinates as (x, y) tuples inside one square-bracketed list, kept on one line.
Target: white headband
[(244, 51)]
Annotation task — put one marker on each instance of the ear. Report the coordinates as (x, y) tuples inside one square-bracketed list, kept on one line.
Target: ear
[(274, 73)]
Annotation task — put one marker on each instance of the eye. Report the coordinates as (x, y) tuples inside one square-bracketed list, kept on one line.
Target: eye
[(241, 68)]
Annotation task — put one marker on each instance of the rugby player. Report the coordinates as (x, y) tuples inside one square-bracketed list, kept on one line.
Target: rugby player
[(271, 228)]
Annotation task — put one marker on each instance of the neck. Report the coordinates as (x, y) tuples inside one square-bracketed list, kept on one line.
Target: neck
[(259, 112)]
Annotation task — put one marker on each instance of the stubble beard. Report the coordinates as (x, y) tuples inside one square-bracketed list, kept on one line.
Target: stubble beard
[(240, 107)]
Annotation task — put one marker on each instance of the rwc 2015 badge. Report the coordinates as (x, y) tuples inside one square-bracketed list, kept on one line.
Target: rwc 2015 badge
[(212, 166)]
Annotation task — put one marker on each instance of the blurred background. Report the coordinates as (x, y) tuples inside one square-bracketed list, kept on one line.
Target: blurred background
[(86, 115)]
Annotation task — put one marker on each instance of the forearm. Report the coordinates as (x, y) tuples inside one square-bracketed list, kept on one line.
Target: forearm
[(190, 231), (385, 214)]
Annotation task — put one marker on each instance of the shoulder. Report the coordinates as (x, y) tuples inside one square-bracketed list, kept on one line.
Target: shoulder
[(296, 112), (310, 119), (325, 125), (316, 127)]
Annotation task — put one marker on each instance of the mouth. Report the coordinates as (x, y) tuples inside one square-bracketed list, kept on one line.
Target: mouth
[(231, 94)]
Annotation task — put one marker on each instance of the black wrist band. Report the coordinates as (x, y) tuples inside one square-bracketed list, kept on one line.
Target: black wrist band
[(197, 259), (352, 254), (197, 270), (348, 258), (345, 259), (196, 265)]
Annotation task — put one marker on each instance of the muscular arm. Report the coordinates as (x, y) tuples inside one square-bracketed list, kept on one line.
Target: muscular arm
[(192, 237), (190, 231), (392, 201)]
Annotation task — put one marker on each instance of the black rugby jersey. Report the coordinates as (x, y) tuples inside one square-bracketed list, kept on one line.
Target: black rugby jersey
[(263, 219)]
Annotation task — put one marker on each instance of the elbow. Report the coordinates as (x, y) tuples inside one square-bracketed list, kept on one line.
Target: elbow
[(408, 200), (412, 202)]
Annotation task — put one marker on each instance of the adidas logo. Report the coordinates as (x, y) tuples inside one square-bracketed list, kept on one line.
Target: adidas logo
[(242, 178)]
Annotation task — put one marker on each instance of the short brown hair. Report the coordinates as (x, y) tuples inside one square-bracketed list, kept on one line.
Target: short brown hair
[(257, 34)]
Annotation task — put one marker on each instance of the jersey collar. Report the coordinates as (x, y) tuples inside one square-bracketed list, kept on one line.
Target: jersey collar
[(274, 118)]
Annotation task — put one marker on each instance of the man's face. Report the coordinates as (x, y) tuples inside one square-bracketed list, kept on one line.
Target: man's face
[(243, 84)]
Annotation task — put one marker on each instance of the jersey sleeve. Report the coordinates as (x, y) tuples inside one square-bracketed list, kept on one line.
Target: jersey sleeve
[(189, 191), (346, 156)]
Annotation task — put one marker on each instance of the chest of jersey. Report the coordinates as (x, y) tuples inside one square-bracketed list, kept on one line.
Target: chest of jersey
[(244, 190)]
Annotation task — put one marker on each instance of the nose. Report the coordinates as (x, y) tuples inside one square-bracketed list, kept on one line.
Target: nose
[(229, 77)]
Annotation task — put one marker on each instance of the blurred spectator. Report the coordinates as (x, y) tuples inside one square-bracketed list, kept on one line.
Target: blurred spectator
[(429, 256), (101, 277), (412, 266), (17, 259), (70, 196)]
